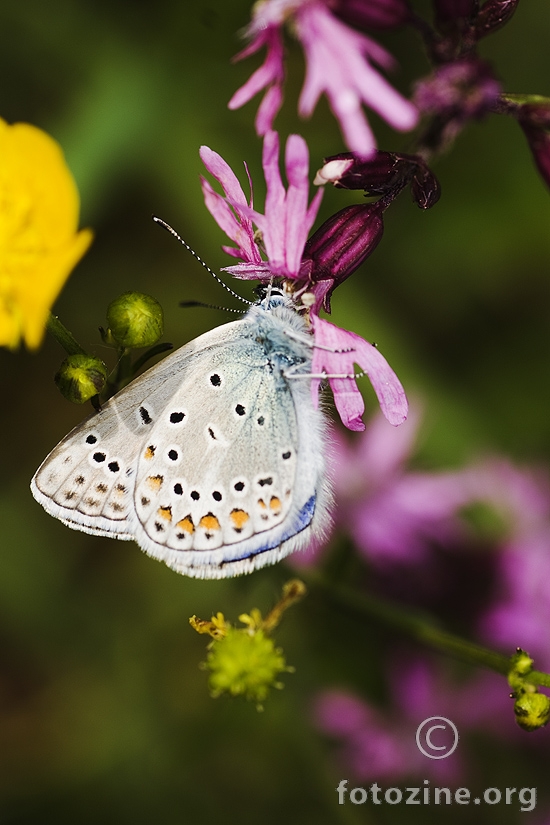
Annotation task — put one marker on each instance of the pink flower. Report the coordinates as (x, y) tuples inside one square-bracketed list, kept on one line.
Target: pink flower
[(335, 352), (338, 62), (270, 76), (284, 227), (287, 219)]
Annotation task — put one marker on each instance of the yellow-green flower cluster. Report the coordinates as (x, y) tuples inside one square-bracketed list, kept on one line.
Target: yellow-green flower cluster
[(244, 661), (39, 241)]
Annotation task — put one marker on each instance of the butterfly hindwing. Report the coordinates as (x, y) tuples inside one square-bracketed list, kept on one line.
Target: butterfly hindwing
[(220, 465)]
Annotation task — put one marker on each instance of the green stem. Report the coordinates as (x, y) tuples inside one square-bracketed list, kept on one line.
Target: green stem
[(63, 336), (142, 360), (421, 628)]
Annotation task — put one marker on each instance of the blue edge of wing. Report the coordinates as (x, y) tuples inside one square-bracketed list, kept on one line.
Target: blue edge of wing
[(304, 518)]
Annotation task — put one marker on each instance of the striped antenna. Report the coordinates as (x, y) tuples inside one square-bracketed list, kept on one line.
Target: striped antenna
[(199, 259), (209, 306)]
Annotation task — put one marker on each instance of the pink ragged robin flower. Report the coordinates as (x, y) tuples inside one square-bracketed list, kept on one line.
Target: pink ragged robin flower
[(314, 270), (340, 62)]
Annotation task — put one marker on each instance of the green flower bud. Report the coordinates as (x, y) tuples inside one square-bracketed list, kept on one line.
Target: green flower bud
[(522, 665), (532, 710), (244, 664), (135, 320), (80, 377)]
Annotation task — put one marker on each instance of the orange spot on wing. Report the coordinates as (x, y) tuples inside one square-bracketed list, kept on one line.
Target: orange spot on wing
[(239, 518), (149, 452), (209, 522), (261, 504), (165, 512), (155, 482), (186, 524), (275, 504)]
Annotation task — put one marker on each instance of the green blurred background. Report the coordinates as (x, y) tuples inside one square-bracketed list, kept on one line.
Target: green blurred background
[(105, 715)]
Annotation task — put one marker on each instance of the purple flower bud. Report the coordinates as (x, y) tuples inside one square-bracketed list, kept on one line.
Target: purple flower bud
[(372, 14), (341, 245), (493, 15)]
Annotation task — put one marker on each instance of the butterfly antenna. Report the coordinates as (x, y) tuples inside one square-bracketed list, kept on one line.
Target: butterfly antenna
[(209, 306), (199, 259)]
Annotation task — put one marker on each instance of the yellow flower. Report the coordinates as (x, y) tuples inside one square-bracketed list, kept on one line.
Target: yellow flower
[(39, 242)]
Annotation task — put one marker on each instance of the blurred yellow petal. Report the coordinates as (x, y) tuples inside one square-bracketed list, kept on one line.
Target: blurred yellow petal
[(39, 241)]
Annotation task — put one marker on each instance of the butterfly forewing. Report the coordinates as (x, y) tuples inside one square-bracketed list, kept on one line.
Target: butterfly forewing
[(88, 480)]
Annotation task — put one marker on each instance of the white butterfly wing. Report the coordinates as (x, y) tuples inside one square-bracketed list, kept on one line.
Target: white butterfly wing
[(87, 481), (212, 460)]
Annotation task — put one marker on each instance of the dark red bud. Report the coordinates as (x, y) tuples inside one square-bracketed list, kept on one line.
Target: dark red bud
[(373, 14), (343, 242), (493, 15), (381, 173)]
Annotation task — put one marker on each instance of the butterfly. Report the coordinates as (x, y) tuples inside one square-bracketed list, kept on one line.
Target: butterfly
[(213, 460)]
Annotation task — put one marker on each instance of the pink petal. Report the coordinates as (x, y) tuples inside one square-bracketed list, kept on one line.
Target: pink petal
[(269, 75), (344, 350), (249, 272), (224, 174), (220, 210), (297, 227), (240, 231), (274, 225), (268, 109)]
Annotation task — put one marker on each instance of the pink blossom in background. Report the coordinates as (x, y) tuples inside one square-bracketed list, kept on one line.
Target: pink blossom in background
[(270, 76), (379, 744), (339, 62), (520, 612), (520, 615), (392, 513)]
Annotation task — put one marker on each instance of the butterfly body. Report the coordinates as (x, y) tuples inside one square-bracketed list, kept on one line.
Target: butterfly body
[(213, 461)]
